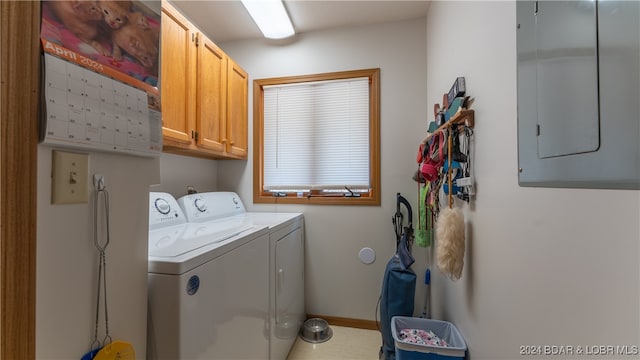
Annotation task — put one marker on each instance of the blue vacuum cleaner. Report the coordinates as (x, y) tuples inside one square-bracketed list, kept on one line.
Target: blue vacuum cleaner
[(399, 282)]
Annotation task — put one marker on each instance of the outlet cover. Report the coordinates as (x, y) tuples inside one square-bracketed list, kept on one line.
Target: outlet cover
[(70, 175)]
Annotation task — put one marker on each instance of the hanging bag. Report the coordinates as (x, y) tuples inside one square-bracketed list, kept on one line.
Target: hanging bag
[(399, 282), (432, 163)]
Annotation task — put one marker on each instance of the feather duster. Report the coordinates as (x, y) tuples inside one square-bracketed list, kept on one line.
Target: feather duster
[(451, 242)]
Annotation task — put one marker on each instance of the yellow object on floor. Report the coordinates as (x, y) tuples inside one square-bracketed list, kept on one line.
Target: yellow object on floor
[(117, 350), (345, 344)]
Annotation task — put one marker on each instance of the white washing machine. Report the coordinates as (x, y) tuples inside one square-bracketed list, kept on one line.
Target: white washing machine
[(208, 286), (286, 260)]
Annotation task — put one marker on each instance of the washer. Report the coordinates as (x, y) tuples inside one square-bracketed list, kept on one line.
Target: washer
[(286, 260), (208, 286)]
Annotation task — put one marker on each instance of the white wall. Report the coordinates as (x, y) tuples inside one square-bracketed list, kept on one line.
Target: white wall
[(337, 283), (67, 261), (543, 266), (177, 172)]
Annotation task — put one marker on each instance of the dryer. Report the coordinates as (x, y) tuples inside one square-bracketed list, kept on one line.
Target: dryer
[(208, 286), (286, 274), (285, 256)]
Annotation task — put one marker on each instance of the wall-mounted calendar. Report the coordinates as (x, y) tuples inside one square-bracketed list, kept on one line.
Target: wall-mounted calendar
[(88, 110), (97, 98)]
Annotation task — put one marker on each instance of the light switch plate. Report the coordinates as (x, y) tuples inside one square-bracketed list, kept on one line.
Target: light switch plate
[(69, 178)]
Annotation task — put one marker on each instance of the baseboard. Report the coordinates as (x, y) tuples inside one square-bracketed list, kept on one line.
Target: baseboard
[(347, 322)]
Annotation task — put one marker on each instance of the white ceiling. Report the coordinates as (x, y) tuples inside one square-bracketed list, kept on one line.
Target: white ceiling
[(227, 20)]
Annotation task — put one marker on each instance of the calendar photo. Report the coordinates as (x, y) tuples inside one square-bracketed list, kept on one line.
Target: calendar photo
[(120, 39)]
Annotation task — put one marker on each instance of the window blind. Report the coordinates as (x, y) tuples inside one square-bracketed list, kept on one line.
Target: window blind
[(316, 135)]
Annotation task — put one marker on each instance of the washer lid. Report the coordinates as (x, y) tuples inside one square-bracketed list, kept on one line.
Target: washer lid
[(166, 236), (181, 264), (195, 237)]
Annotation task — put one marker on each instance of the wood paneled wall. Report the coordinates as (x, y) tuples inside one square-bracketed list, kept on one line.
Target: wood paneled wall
[(19, 93)]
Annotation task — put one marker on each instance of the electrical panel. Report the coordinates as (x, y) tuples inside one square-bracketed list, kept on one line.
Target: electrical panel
[(578, 94)]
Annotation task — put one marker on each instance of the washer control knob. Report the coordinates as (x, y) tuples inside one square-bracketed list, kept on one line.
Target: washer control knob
[(162, 206), (200, 204)]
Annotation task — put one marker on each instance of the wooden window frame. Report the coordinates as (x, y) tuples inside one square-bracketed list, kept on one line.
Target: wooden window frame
[(371, 198)]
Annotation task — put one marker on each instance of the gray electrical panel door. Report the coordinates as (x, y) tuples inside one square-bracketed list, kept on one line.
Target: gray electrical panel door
[(579, 93), (567, 77)]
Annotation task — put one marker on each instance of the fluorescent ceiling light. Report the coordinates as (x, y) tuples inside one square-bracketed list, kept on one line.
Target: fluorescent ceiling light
[(271, 17)]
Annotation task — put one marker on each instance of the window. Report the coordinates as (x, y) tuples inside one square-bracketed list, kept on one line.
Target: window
[(316, 138)]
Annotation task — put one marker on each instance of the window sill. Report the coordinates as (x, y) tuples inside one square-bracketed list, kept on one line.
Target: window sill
[(316, 200)]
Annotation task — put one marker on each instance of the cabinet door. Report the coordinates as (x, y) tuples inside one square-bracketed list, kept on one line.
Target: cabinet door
[(237, 110), (176, 75), (212, 94)]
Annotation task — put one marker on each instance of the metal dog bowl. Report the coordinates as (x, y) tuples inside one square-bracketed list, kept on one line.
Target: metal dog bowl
[(316, 330)]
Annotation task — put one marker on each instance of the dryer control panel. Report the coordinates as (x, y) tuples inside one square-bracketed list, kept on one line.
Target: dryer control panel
[(209, 206), (164, 211)]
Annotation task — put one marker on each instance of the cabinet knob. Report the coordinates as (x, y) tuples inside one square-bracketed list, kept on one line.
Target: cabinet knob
[(224, 141)]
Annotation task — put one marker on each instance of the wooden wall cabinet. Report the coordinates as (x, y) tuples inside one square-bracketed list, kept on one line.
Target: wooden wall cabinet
[(203, 92), (237, 120)]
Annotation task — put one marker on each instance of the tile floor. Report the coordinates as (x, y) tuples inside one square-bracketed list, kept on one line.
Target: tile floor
[(345, 344)]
